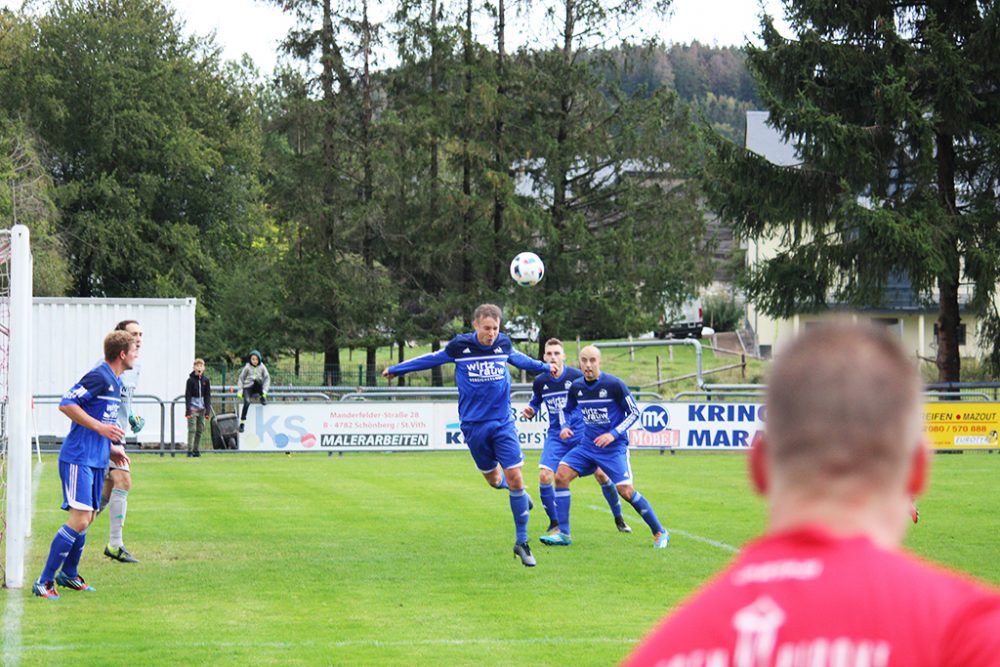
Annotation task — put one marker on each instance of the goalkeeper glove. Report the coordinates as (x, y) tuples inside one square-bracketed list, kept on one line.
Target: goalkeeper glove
[(136, 422), (263, 399), (239, 396)]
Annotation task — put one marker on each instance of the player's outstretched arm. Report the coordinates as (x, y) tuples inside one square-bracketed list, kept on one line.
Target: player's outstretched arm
[(423, 362), (526, 363)]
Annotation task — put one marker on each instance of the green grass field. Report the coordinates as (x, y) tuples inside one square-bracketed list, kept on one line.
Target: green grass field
[(392, 559)]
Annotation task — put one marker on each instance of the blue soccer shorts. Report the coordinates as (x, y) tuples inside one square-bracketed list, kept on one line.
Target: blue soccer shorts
[(555, 449), (493, 442), (81, 486), (614, 460)]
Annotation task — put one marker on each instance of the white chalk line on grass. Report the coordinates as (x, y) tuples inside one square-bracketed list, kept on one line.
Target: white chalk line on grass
[(349, 643), (12, 647), (676, 531)]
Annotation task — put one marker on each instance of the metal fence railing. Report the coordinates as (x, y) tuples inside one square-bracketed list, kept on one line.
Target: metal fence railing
[(224, 401)]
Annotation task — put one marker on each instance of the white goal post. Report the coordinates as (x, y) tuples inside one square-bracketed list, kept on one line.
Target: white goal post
[(15, 328)]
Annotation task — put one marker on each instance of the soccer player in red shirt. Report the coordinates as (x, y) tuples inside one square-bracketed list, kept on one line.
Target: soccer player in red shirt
[(841, 455)]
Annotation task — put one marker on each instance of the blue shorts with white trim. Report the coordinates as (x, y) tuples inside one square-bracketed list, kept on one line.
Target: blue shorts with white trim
[(492, 442), (81, 486), (614, 460), (555, 449)]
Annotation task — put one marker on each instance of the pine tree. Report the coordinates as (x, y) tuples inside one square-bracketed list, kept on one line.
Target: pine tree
[(616, 220), (894, 108)]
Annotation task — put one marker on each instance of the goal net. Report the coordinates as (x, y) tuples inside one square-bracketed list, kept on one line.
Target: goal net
[(15, 402)]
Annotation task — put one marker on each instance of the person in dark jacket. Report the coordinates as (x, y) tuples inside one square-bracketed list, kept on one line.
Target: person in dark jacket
[(197, 405)]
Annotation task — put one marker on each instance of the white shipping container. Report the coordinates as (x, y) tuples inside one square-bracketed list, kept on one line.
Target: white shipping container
[(68, 341)]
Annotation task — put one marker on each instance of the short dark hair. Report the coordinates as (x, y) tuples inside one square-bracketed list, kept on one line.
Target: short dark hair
[(487, 310), (116, 342), (123, 325), (554, 341)]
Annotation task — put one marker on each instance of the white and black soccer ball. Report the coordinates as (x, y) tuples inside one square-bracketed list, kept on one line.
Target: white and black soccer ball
[(527, 269)]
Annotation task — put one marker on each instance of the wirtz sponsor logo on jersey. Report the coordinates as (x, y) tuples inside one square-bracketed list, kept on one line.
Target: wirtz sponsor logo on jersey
[(596, 415), (486, 371)]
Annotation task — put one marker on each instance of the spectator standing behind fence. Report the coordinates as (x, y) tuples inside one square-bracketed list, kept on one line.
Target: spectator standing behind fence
[(197, 405), (254, 381)]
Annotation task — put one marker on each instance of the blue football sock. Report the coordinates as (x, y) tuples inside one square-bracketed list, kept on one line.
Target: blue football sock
[(645, 510), (611, 495), (502, 484), (519, 508), (562, 509), (72, 562), (548, 496), (62, 543)]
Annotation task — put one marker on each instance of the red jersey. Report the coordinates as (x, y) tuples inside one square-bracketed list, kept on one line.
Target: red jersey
[(808, 599)]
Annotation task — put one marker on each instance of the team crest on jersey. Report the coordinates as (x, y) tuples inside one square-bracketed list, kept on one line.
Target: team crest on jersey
[(497, 350), (568, 383), (603, 393)]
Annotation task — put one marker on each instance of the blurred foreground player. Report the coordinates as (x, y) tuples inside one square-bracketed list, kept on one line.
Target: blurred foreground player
[(841, 455)]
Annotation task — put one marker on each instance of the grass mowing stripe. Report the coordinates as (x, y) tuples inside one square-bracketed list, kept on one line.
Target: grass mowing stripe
[(373, 643), (676, 531)]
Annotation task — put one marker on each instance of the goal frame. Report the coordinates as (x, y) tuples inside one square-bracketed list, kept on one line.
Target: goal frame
[(18, 412)]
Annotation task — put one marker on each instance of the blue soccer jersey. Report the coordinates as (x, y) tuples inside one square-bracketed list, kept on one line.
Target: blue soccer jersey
[(99, 394), (552, 392), (606, 406), (480, 372)]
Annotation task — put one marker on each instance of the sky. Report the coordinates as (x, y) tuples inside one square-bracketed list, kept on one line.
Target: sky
[(256, 27)]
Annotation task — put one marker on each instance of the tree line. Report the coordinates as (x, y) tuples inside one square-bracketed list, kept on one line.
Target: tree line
[(347, 202), (340, 203)]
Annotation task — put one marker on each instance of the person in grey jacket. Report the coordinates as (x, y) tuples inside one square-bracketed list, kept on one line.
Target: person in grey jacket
[(254, 381)]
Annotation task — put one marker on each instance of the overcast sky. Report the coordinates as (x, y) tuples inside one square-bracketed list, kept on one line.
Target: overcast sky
[(255, 27)]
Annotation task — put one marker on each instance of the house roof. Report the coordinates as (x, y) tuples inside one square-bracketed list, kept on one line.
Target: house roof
[(767, 141)]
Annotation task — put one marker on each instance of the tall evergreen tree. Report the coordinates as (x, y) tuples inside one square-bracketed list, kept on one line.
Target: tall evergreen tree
[(894, 109), (620, 233)]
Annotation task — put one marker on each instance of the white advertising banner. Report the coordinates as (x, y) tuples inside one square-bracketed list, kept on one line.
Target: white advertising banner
[(426, 425)]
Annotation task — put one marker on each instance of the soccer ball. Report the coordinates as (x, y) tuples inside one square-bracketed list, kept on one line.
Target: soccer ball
[(527, 269)]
